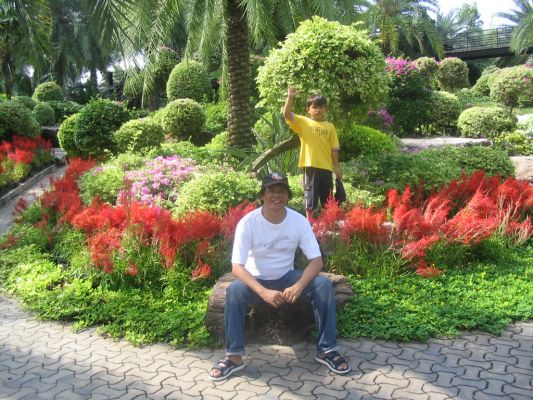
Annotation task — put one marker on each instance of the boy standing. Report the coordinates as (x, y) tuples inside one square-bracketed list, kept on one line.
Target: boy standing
[(319, 153)]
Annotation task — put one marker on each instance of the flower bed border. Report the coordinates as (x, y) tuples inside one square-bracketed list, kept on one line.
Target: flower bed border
[(24, 186)]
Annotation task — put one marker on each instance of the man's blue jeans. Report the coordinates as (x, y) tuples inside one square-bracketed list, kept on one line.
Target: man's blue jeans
[(319, 292)]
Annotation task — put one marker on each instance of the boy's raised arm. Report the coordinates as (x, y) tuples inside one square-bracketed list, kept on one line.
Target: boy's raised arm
[(287, 109)]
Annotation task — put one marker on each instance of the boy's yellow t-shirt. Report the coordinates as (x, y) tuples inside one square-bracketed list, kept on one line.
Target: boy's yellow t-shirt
[(317, 139)]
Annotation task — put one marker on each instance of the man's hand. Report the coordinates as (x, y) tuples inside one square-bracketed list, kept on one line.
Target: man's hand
[(292, 294), (273, 297), (292, 92), (338, 172)]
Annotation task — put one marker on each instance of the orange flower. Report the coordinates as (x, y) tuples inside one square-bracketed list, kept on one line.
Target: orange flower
[(202, 271)]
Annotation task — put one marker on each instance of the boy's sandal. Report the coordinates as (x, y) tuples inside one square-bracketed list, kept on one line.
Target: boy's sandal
[(226, 368), (333, 360)]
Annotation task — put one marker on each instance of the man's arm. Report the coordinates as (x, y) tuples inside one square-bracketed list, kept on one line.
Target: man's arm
[(292, 293), (336, 168), (273, 297), (287, 109)]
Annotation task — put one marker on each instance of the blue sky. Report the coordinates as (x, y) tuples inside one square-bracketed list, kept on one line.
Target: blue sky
[(487, 9)]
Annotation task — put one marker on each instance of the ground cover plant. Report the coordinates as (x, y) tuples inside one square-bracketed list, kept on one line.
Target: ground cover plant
[(139, 273)]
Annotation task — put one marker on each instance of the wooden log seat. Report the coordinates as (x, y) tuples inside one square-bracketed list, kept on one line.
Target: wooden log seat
[(289, 324)]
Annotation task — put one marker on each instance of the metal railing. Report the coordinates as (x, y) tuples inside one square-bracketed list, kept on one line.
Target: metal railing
[(476, 40)]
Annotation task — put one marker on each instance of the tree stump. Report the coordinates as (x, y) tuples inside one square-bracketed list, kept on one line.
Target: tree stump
[(289, 324)]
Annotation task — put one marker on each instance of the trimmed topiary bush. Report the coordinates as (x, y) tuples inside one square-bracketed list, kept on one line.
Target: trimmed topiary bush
[(67, 135), (63, 109), (183, 119), (482, 86), (361, 139), (513, 86), (95, 126), (166, 60), (486, 122), (452, 74), (26, 101), (339, 61), (445, 109), (138, 135), (48, 91), (216, 192), (428, 68), (44, 114), (17, 119), (408, 97), (467, 98), (189, 80), (104, 181)]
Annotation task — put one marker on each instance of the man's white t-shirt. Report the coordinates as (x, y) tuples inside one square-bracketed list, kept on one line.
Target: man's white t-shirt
[(267, 250)]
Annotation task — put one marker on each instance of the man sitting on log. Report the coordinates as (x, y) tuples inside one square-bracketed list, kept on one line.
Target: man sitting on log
[(263, 263)]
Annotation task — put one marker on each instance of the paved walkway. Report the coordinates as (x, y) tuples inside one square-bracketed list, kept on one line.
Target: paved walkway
[(46, 360)]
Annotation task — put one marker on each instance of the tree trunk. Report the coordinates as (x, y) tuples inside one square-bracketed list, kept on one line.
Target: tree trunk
[(7, 71), (59, 69), (238, 45), (277, 149)]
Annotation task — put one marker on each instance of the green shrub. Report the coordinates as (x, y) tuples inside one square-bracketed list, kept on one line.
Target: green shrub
[(513, 86), (483, 84), (467, 98), (63, 109), (445, 109), (48, 91), (166, 60), (486, 122), (26, 101), (104, 181), (515, 143), (433, 167), (138, 134), (183, 119), (216, 117), (189, 80), (95, 126), (336, 60), (452, 74), (408, 97), (216, 192), (67, 135), (361, 139), (44, 114), (17, 119), (428, 68)]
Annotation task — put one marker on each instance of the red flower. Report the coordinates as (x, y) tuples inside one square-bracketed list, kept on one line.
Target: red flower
[(229, 222), (132, 270), (202, 271), (21, 156), (428, 271), (415, 250)]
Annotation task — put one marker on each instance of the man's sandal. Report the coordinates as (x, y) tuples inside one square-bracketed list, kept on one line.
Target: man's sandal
[(334, 360), (226, 368)]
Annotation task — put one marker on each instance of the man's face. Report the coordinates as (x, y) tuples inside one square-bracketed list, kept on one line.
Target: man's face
[(276, 197), (317, 113)]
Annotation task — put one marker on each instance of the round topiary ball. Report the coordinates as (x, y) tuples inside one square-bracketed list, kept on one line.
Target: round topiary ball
[(17, 119), (428, 68), (183, 119), (189, 79), (452, 74), (513, 86), (216, 192), (63, 109), (26, 101), (67, 135), (44, 114), (48, 91), (139, 134), (486, 122), (361, 139), (97, 122), (445, 108)]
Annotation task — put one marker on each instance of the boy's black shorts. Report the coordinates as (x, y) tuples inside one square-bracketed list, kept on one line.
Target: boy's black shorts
[(318, 184)]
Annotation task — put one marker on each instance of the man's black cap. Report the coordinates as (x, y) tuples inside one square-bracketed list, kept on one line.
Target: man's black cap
[(274, 179)]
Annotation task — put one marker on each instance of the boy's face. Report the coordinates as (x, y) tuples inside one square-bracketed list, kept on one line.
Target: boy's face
[(316, 112)]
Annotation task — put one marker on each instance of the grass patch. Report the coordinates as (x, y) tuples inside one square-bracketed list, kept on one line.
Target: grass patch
[(484, 296), (525, 110)]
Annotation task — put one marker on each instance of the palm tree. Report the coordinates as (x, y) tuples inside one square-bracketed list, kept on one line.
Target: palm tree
[(25, 27), (522, 37), (407, 20)]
